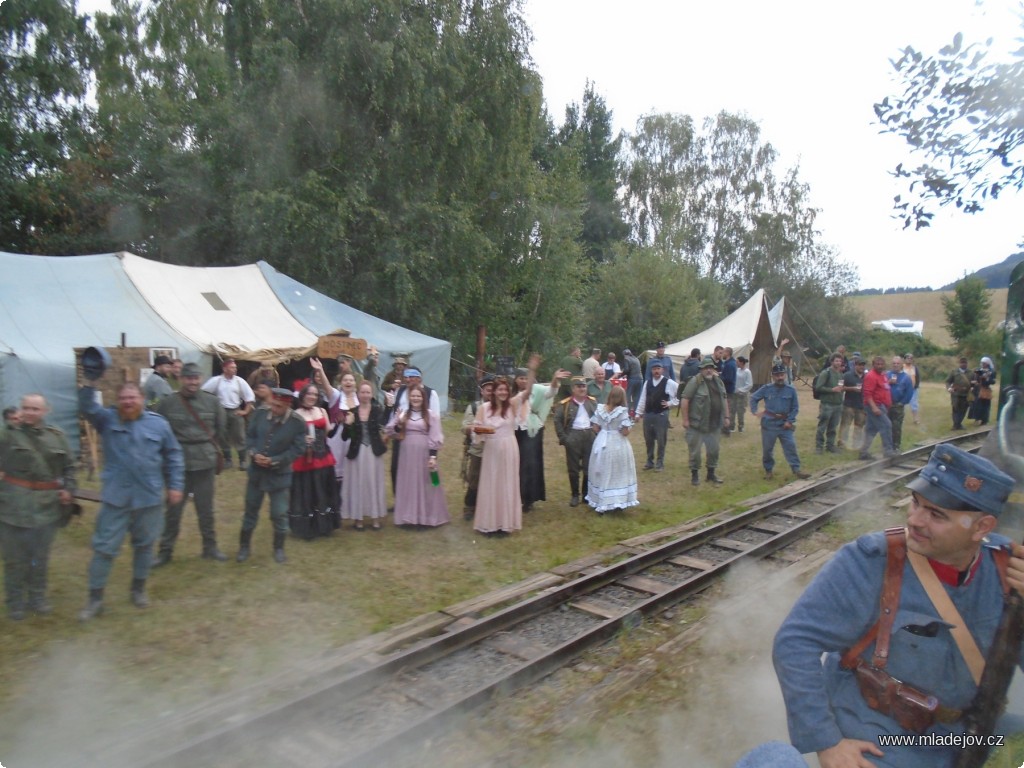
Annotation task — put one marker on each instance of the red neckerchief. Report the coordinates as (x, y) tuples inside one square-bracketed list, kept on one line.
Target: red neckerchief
[(950, 576)]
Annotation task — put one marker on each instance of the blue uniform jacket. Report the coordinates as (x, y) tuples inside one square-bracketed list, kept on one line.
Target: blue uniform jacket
[(140, 458), (823, 702), (777, 400), (903, 390)]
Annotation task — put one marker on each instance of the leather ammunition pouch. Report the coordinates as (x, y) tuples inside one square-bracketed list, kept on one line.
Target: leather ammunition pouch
[(913, 709)]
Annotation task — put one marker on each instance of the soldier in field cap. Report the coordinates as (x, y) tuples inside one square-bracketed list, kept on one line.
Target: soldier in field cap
[(891, 606)]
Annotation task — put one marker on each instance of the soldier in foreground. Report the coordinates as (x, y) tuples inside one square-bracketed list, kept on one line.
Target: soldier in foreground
[(888, 613)]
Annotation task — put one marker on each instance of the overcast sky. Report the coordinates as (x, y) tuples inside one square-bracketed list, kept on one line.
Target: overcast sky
[(809, 72)]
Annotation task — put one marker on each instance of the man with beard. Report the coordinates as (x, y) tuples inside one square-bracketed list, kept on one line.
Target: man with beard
[(778, 420), (142, 463), (200, 424), (705, 407), (38, 478)]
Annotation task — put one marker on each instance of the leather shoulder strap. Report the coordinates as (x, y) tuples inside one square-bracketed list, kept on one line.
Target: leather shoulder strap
[(896, 556)]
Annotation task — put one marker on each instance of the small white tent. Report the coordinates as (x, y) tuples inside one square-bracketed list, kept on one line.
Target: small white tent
[(748, 331)]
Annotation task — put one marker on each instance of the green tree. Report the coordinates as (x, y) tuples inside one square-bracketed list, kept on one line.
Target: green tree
[(960, 111), (588, 129), (44, 122), (644, 294), (967, 309)]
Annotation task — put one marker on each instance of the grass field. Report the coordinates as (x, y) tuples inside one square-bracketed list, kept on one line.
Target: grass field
[(214, 627), (926, 306)]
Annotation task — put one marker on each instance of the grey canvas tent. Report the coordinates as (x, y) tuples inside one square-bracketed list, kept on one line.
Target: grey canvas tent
[(49, 306)]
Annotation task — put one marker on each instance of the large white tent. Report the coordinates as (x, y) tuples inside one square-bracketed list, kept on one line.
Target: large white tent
[(50, 305)]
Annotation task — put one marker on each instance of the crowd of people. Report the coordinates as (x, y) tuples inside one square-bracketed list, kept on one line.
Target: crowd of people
[(317, 449)]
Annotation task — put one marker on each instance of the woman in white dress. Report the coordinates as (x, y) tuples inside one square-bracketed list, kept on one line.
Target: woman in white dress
[(612, 478)]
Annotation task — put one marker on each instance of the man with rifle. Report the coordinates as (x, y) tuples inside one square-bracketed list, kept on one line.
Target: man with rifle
[(881, 657)]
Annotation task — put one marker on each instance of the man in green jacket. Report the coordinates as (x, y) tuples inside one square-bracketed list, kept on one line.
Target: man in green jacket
[(828, 388), (38, 477), (705, 408)]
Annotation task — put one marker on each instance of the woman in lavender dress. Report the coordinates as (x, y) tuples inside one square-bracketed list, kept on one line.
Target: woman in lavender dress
[(417, 501)]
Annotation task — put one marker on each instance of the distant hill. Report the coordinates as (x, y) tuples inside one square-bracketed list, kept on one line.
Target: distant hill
[(995, 276), (926, 306)]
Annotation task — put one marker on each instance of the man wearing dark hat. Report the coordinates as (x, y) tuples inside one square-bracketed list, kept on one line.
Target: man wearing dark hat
[(778, 420), (37, 470), (142, 467), (473, 449), (198, 421), (157, 385), (667, 370), (902, 609), (705, 408), (276, 437), (656, 397), (572, 425), (853, 403)]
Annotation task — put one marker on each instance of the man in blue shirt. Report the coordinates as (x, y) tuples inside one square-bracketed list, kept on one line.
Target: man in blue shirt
[(902, 388), (142, 466), (778, 420)]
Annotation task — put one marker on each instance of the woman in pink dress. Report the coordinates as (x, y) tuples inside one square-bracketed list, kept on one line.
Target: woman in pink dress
[(313, 510), (418, 502), (499, 508)]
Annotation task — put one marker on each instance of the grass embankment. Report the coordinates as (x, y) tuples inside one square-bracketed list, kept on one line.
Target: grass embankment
[(216, 626)]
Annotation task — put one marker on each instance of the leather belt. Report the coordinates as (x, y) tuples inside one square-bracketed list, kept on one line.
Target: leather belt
[(35, 485)]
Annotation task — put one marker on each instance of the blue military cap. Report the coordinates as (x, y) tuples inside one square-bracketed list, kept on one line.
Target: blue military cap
[(95, 360), (958, 480), (778, 368)]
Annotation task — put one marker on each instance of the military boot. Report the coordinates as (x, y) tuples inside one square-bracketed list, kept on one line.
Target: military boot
[(244, 542), (694, 477), (713, 478), (138, 593), (163, 557), (94, 607), (279, 548), (212, 552)]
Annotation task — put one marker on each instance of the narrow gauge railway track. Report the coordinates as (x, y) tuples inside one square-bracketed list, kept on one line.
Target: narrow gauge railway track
[(357, 713)]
